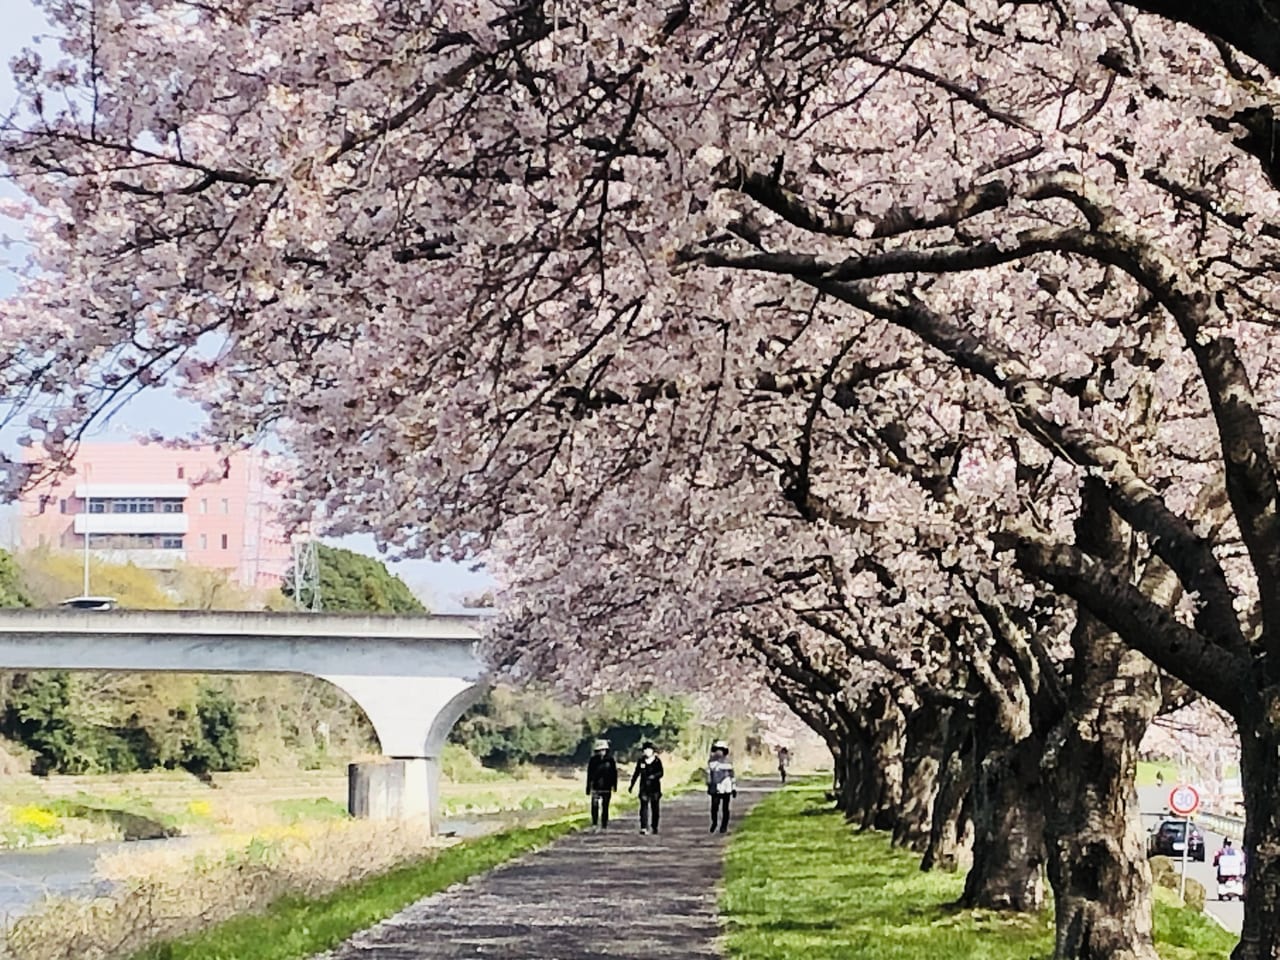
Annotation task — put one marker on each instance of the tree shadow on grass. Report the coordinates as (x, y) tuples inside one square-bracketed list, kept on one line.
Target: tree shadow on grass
[(795, 925)]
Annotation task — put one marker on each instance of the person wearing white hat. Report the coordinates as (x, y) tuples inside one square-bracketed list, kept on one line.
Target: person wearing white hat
[(602, 781), (720, 785)]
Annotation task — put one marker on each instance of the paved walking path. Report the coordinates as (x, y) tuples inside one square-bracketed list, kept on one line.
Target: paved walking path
[(613, 895)]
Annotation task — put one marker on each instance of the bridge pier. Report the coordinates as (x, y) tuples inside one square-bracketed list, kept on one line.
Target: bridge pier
[(412, 717)]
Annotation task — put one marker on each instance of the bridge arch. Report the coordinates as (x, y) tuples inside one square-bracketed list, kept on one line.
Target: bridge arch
[(413, 676)]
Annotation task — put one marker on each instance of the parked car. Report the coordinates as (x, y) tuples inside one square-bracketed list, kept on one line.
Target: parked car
[(89, 603), (1168, 840)]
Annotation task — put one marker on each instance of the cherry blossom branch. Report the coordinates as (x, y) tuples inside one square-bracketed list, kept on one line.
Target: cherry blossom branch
[(1145, 625), (1133, 498), (1187, 554), (1252, 484), (948, 258), (923, 686), (769, 193)]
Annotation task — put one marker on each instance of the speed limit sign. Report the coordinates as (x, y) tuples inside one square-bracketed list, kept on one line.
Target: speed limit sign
[(1184, 800)]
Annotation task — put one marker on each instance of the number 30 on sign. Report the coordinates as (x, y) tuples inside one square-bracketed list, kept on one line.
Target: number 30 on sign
[(1184, 800)]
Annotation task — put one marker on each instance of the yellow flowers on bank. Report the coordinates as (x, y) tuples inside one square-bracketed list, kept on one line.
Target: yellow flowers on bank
[(36, 818)]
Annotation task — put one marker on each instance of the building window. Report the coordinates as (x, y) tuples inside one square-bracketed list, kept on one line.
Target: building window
[(226, 505), (182, 472), (133, 505), (224, 537), (204, 504), (204, 541), (62, 506), (170, 506), (170, 543), (97, 506)]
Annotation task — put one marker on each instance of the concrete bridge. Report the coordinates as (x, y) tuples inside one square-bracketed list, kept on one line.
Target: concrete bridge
[(412, 676)]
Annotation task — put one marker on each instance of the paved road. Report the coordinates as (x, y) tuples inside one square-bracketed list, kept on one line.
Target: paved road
[(613, 895), (1230, 914)]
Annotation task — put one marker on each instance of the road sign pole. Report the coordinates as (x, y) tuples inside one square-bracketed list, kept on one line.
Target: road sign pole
[(1186, 851), (1184, 800)]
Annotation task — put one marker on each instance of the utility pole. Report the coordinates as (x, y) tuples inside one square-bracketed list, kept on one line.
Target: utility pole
[(306, 576), (88, 519)]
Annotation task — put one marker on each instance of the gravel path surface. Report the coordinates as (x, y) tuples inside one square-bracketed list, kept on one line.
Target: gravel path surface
[(615, 894)]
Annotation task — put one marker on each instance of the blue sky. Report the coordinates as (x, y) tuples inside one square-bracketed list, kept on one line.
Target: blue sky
[(439, 585)]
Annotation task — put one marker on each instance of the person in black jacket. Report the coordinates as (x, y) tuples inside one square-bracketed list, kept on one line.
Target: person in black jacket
[(602, 781), (649, 775)]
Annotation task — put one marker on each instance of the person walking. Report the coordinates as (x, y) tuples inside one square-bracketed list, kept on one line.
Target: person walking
[(648, 774), (602, 781), (720, 785), (784, 761)]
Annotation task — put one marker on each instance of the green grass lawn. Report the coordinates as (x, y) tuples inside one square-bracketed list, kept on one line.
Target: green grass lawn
[(297, 927), (799, 882)]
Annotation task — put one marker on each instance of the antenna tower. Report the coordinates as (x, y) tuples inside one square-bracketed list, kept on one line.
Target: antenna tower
[(306, 576)]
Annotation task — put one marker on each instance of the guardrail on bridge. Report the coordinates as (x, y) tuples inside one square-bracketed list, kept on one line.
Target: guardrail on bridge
[(1232, 827)]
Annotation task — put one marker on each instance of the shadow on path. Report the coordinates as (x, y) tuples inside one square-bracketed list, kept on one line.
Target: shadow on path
[(590, 896)]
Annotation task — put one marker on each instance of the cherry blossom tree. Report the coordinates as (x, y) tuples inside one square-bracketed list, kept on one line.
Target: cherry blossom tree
[(465, 259)]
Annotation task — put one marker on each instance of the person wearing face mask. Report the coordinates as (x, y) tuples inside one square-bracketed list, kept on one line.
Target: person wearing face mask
[(720, 784), (648, 774)]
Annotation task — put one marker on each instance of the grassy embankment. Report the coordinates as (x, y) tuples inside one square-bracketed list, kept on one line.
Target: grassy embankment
[(801, 883), (273, 898), (64, 809), (38, 810), (295, 927)]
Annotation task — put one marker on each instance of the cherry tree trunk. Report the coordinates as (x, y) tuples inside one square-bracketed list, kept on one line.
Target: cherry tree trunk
[(848, 779), (1260, 778), (837, 778), (1008, 825), (945, 849), (883, 773), (922, 756), (1093, 831)]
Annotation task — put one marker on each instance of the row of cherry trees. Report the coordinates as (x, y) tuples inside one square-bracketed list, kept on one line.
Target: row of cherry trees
[(920, 354), (950, 689)]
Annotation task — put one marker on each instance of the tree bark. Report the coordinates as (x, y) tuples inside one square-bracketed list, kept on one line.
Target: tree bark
[(849, 786), (945, 850), (922, 755), (883, 772), (1093, 833), (1097, 857), (1008, 824), (1260, 778)]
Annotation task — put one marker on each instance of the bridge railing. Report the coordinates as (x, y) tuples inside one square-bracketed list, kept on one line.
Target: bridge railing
[(1232, 827)]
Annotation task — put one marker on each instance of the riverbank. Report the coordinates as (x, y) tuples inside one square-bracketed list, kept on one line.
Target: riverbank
[(39, 811), (288, 896), (799, 881)]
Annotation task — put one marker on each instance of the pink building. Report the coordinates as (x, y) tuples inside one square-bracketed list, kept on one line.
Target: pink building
[(158, 507)]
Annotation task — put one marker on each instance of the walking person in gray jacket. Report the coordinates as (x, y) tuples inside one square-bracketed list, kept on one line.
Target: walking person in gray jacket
[(720, 785)]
